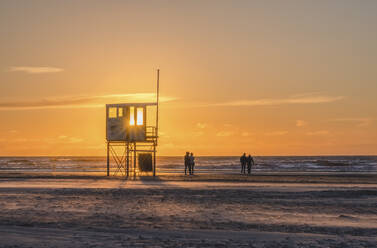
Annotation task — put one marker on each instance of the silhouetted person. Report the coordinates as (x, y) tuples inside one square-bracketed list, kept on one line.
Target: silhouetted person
[(187, 163), (192, 163), (243, 163), (250, 162)]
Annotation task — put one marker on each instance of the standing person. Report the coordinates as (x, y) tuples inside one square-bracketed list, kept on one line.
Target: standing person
[(187, 162), (192, 163), (243, 163), (249, 161)]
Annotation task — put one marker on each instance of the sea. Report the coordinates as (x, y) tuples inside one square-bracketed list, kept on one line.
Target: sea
[(204, 164)]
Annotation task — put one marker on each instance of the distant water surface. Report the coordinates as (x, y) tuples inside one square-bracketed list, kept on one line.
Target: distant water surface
[(221, 164)]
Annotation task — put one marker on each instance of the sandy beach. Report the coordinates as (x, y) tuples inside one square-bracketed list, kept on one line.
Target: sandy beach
[(295, 210), (188, 124)]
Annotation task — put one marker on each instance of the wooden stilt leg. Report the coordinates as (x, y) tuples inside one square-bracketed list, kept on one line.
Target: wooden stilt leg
[(108, 158)]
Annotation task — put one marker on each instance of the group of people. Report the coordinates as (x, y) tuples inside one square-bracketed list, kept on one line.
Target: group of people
[(189, 163), (246, 161)]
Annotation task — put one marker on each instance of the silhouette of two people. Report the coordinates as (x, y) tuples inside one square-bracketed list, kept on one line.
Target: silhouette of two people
[(189, 163), (246, 162)]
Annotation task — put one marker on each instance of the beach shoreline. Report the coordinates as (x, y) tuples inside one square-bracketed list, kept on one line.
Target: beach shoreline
[(42, 210), (262, 177)]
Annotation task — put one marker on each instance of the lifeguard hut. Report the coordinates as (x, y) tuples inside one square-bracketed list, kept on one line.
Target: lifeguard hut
[(131, 137)]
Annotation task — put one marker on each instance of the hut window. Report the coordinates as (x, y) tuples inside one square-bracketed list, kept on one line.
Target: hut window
[(112, 112), (140, 116), (132, 116), (120, 112)]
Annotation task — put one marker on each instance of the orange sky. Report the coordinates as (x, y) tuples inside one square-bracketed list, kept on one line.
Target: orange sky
[(292, 78)]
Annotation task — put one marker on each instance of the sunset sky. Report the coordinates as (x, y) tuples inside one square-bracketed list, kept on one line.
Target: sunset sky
[(264, 77)]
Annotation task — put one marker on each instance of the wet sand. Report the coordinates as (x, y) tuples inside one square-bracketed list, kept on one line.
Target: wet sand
[(292, 210)]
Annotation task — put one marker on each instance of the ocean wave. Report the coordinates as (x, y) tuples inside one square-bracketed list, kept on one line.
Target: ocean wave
[(220, 163), (77, 159)]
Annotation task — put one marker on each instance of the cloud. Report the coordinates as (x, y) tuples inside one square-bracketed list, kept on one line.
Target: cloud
[(276, 133), (35, 69), (201, 125), (321, 132), (197, 134), (301, 123), (245, 134), (80, 101), (69, 140), (301, 99), (63, 139), (24, 140), (224, 134), (163, 135), (360, 122)]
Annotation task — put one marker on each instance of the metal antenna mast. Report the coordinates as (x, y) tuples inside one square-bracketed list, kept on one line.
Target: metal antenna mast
[(155, 144), (158, 98)]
